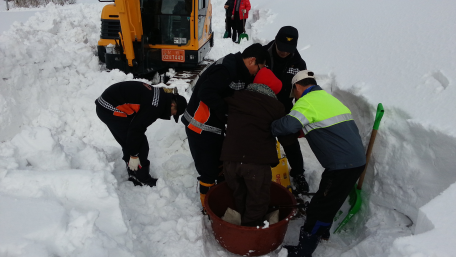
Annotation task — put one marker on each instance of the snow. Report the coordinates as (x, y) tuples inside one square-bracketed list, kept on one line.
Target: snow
[(63, 188)]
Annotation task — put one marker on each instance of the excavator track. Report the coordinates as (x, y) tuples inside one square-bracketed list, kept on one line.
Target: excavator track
[(189, 75)]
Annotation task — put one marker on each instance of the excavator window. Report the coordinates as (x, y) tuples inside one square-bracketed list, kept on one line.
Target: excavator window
[(167, 7), (166, 21)]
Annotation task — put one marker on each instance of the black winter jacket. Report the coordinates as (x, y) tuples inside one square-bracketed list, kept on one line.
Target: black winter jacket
[(248, 135), (284, 69), (206, 109), (139, 102)]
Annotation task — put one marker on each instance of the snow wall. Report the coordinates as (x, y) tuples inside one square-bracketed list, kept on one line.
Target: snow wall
[(49, 79), (400, 55)]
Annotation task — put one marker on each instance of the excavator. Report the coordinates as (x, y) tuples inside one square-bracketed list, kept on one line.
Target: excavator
[(145, 36)]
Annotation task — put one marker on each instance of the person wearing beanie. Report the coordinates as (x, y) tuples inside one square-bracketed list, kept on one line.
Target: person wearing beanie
[(285, 61), (128, 108), (334, 139), (249, 149)]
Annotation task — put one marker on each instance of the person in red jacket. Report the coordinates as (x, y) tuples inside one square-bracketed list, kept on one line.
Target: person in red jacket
[(239, 15), (249, 149), (128, 108)]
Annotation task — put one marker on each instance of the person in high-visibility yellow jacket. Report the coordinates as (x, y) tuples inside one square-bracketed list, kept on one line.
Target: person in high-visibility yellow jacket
[(334, 138)]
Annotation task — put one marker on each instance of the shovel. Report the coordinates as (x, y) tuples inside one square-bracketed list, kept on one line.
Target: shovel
[(243, 35), (353, 203)]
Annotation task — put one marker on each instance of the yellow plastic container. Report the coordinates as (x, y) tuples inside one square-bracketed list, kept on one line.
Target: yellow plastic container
[(280, 173)]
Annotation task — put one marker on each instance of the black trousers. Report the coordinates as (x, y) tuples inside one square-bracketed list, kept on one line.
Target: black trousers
[(238, 26), (251, 185), (206, 149), (335, 186), (119, 129), (228, 24), (294, 156)]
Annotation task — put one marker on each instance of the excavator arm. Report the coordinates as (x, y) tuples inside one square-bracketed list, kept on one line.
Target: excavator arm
[(130, 22)]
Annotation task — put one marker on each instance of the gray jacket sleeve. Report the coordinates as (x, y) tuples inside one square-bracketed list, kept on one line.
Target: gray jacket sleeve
[(285, 125)]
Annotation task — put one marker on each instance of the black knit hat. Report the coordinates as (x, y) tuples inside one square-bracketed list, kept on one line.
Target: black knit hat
[(181, 103), (287, 39)]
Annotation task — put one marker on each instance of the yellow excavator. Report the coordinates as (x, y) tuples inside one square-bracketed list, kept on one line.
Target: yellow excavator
[(144, 36)]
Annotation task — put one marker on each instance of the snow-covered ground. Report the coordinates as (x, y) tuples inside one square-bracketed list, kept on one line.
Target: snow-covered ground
[(63, 188)]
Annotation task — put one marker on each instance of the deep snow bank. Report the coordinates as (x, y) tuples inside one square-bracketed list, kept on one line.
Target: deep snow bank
[(399, 54), (431, 225), (63, 185), (64, 212), (53, 147)]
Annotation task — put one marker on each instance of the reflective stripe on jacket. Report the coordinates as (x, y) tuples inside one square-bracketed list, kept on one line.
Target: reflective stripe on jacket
[(197, 122), (139, 103), (329, 128), (318, 109), (206, 109)]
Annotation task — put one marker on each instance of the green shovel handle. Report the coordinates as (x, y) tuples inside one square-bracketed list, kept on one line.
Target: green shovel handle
[(355, 196), (378, 116)]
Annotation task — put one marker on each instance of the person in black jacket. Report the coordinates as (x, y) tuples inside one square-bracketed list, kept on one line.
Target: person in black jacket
[(285, 61), (205, 116), (128, 108), (228, 21), (249, 149)]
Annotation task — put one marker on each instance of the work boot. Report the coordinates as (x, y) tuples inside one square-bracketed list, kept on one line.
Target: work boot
[(141, 177), (307, 245), (300, 183), (204, 188)]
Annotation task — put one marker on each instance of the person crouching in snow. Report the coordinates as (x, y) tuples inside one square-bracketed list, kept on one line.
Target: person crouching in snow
[(249, 149), (128, 108)]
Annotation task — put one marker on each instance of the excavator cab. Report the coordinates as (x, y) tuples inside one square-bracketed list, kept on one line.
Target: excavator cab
[(143, 36), (167, 22)]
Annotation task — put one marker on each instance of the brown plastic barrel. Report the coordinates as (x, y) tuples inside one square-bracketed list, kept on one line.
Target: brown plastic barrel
[(248, 241)]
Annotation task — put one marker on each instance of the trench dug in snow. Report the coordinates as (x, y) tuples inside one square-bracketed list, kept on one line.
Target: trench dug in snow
[(408, 169), (56, 155)]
